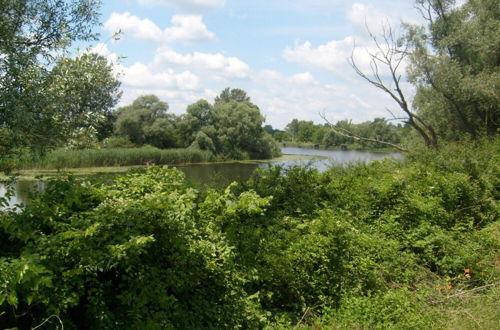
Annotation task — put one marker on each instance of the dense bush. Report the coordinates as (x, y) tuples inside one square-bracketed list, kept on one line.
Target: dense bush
[(379, 245)]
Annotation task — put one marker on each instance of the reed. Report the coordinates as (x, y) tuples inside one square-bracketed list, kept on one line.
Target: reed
[(59, 159)]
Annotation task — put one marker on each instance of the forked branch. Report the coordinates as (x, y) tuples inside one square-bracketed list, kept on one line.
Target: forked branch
[(390, 55)]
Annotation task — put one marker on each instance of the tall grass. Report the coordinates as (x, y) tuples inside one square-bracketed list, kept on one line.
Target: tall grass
[(117, 157)]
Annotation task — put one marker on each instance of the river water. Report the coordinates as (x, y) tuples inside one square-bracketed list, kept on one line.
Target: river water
[(224, 173)]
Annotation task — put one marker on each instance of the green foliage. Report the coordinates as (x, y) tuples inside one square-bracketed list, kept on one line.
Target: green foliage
[(146, 121), (60, 159), (454, 66), (83, 91), (134, 254), (231, 128), (229, 95), (116, 142), (379, 129), (33, 35), (385, 245)]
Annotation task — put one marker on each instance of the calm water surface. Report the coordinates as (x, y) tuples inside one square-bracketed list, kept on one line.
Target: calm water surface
[(217, 175)]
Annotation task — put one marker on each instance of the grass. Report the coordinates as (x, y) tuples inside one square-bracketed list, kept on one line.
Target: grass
[(63, 159), (30, 174)]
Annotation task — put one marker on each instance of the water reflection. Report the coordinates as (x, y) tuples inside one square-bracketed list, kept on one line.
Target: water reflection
[(338, 157), (219, 175), (22, 190)]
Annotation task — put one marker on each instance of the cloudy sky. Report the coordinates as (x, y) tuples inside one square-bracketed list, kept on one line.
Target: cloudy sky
[(289, 55)]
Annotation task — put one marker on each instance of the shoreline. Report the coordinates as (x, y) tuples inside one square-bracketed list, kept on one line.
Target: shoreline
[(34, 173)]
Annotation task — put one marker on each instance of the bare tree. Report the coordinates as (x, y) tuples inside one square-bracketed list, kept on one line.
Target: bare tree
[(388, 57)]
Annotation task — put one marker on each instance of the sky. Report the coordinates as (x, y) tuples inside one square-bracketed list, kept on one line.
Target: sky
[(290, 56)]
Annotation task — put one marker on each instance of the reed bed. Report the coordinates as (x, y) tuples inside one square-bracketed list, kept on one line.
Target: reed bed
[(59, 159)]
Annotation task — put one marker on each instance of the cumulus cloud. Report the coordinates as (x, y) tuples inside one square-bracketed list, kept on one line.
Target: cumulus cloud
[(282, 98), (186, 5), (185, 28), (141, 76), (334, 56), (363, 16), (217, 63), (331, 56)]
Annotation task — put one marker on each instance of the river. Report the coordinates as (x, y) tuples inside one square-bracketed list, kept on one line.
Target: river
[(219, 174)]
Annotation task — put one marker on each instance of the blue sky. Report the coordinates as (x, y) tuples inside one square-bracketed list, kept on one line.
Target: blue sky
[(290, 56)]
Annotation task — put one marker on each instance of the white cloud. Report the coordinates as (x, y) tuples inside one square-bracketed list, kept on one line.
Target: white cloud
[(335, 56), (141, 76), (282, 98), (228, 67), (331, 56), (185, 28), (363, 16), (186, 5), (188, 29), (305, 78)]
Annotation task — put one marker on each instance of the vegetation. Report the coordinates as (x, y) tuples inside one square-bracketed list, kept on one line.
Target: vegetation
[(380, 245), (45, 98), (403, 245), (327, 135), (62, 159), (453, 64), (231, 128)]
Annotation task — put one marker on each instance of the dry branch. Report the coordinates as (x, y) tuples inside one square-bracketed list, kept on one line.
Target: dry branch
[(345, 133)]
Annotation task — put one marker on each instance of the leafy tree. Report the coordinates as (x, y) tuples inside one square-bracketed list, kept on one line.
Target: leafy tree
[(82, 93), (235, 94), (269, 129), (293, 128), (454, 65), (232, 127), (146, 121), (31, 33), (239, 128), (198, 115), (280, 135)]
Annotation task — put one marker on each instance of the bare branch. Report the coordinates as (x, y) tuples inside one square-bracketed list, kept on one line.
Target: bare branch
[(345, 133), (391, 56)]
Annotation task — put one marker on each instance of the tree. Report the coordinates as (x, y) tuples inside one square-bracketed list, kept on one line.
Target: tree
[(454, 66), (198, 115), (32, 34), (293, 128), (146, 121), (386, 61), (82, 93), (229, 94), (231, 128), (239, 128), (453, 63)]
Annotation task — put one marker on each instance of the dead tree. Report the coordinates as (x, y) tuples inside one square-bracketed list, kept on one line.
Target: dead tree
[(390, 56)]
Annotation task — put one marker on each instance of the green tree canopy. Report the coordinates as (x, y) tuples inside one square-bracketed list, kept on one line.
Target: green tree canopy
[(32, 33), (454, 65), (232, 127), (83, 91), (146, 121), (234, 94)]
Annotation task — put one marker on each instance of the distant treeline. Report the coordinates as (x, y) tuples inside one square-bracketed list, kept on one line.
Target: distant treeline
[(325, 134), (231, 128)]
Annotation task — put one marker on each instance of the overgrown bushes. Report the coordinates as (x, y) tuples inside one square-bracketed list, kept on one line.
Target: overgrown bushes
[(380, 246)]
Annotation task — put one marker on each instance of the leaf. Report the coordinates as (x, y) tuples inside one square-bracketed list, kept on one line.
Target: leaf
[(12, 300)]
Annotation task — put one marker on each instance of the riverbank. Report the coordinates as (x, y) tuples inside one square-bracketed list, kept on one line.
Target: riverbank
[(381, 245), (33, 174)]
